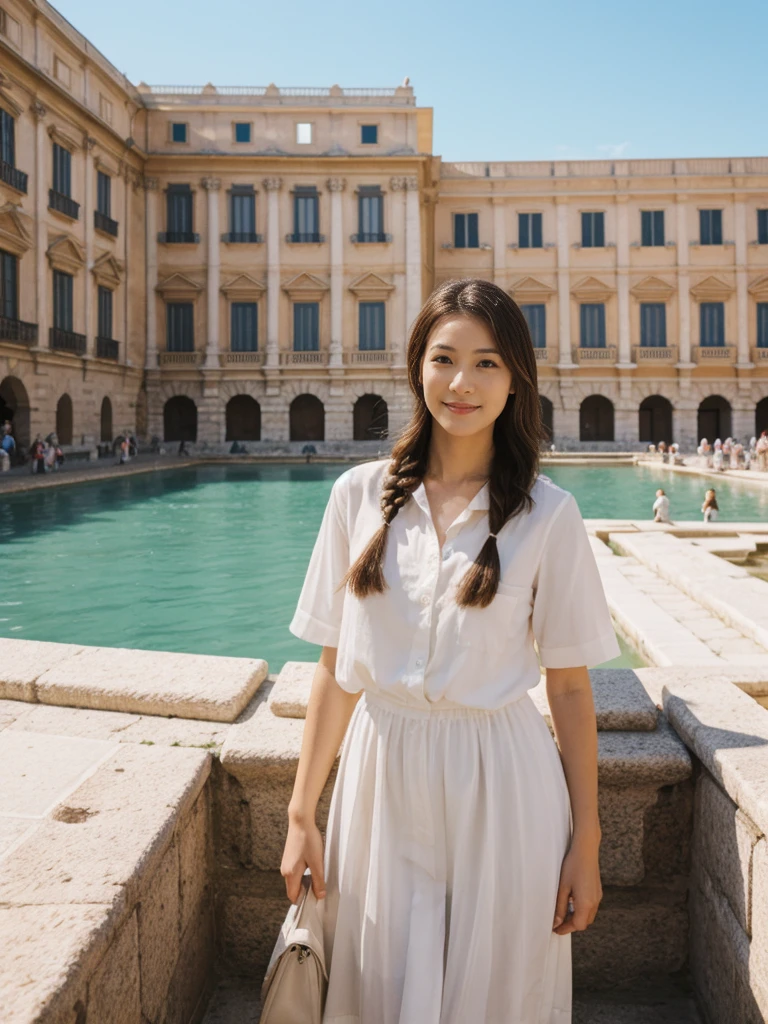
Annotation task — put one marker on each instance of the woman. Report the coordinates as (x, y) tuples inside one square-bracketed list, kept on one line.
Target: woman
[(710, 508), (451, 878)]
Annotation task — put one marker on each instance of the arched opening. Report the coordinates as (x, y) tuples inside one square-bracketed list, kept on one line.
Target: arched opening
[(547, 420), (370, 418), (243, 419), (307, 419), (714, 418), (64, 420), (761, 416), (180, 419), (655, 416), (14, 406), (106, 419), (596, 419)]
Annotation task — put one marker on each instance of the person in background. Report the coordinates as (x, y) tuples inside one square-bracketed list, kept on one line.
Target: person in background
[(7, 449), (761, 450), (710, 507), (37, 455), (737, 452), (661, 507), (125, 451), (717, 456)]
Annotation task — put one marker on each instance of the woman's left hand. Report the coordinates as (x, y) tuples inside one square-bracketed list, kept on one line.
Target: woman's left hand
[(580, 882)]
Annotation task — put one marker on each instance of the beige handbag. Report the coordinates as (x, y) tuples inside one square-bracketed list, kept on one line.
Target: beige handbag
[(294, 987)]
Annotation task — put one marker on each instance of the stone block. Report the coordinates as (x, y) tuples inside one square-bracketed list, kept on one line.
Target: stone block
[(637, 758), (159, 915), (667, 832), (114, 987), (290, 694), (622, 815), (249, 926), (195, 843), (193, 978), (22, 662)]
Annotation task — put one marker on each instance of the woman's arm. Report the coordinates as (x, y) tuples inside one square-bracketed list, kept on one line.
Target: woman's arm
[(328, 713), (573, 717)]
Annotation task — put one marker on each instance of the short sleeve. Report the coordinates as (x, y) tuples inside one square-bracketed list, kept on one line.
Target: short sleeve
[(318, 614), (571, 621)]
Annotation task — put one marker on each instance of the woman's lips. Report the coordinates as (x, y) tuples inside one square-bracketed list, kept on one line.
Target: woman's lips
[(461, 410)]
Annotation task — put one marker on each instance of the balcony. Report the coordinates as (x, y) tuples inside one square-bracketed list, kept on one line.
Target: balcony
[(760, 355), (303, 358), (67, 341), (178, 237), (369, 357), (21, 333), (368, 236), (654, 354), (63, 204), (242, 238), (594, 356), (542, 354), (241, 358), (713, 355), (107, 348), (104, 223), (299, 237), (10, 176), (179, 358)]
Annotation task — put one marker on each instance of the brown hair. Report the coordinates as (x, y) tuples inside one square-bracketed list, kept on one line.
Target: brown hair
[(517, 435)]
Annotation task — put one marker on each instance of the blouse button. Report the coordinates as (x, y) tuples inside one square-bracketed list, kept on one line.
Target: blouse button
[(425, 598), (419, 662)]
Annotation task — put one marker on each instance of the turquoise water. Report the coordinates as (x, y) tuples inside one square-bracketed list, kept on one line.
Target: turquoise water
[(211, 559)]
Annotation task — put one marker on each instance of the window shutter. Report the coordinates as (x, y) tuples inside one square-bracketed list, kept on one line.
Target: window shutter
[(459, 236), (472, 236), (762, 325), (523, 234), (599, 231), (536, 232), (658, 227)]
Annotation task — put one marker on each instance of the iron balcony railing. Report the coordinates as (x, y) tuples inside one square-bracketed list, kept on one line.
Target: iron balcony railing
[(16, 179), (178, 237), (104, 223), (17, 330), (243, 237), (370, 236), (303, 236), (63, 204), (68, 341), (107, 348)]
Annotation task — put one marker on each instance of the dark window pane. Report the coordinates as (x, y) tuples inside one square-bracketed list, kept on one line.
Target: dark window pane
[(524, 230), (371, 326), (592, 325), (459, 231), (370, 214), (62, 170), (536, 232), (762, 325), (306, 323), (711, 227), (762, 227), (712, 324), (658, 227), (244, 327), (472, 236), (179, 132), (62, 300), (653, 324), (243, 207), (592, 230), (369, 134), (242, 131), (179, 327), (536, 317), (179, 207), (306, 219), (8, 285), (105, 313), (104, 195), (7, 139)]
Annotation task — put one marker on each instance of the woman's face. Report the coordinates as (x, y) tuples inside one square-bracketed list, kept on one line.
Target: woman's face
[(462, 367)]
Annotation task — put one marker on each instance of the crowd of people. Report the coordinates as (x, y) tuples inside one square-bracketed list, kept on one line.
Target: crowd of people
[(46, 455), (731, 454)]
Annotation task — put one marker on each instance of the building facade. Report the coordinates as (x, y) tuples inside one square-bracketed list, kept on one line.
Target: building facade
[(232, 264)]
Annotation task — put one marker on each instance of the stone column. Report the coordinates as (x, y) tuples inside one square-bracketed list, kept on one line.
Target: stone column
[(412, 251), (336, 187), (89, 206), (272, 187), (499, 239), (128, 185), (622, 282), (41, 225), (683, 287), (743, 360), (397, 220), (150, 224), (563, 285), (212, 187)]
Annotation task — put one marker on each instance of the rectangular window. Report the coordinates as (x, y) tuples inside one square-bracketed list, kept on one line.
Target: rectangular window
[(105, 312), (592, 230), (370, 215), (244, 327), (711, 227), (652, 223), (762, 227), (9, 285), (529, 231), (178, 131), (7, 139), (62, 170), (104, 197), (242, 131), (306, 327), (592, 325), (62, 300), (306, 220), (371, 326), (536, 317), (179, 327), (179, 209), (465, 234), (653, 325), (762, 325), (712, 324), (304, 134), (242, 212), (369, 134)]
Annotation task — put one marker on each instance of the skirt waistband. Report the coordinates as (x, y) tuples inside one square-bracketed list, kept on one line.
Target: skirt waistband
[(432, 709)]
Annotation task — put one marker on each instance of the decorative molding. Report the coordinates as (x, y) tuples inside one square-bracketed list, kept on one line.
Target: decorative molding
[(653, 289), (7, 101), (530, 289), (16, 229), (243, 286), (711, 289), (65, 253), (179, 286), (759, 287), (305, 286), (61, 137), (211, 184), (336, 184), (88, 142), (108, 270), (590, 289), (39, 112), (272, 184), (371, 287), (150, 184), (411, 183), (106, 166), (397, 184)]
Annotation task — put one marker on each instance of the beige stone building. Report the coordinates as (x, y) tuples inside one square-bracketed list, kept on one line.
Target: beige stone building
[(218, 264)]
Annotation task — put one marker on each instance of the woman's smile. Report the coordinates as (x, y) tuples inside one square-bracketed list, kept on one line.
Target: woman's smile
[(459, 408)]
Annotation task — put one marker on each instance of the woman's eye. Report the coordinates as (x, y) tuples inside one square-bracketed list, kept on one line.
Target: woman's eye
[(488, 361)]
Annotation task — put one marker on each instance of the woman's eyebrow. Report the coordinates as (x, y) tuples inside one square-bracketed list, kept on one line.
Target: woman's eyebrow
[(450, 348)]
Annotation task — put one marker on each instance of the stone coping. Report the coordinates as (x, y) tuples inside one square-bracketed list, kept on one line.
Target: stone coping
[(199, 686)]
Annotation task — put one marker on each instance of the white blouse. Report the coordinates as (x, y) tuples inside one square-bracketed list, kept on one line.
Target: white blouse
[(413, 642)]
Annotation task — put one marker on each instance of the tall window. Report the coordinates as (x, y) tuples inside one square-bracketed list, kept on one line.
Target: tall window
[(762, 325), (105, 312), (104, 195), (9, 285), (306, 327), (653, 324), (244, 327), (652, 223), (465, 231), (179, 327), (536, 318), (242, 214), (306, 215), (592, 230), (762, 227), (592, 325), (529, 231), (711, 227), (62, 300), (712, 324), (370, 214), (7, 139), (178, 200), (62, 170), (371, 326)]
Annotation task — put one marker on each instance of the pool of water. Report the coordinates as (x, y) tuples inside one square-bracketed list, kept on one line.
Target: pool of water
[(211, 559)]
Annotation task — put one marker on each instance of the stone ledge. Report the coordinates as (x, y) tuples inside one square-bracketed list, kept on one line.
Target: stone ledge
[(22, 662)]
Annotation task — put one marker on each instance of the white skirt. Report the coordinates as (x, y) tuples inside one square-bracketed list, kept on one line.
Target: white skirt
[(445, 839)]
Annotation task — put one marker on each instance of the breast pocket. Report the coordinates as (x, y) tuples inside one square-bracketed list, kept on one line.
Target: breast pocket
[(494, 631)]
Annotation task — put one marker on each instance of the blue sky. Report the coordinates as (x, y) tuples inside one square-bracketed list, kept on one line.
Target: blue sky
[(507, 80)]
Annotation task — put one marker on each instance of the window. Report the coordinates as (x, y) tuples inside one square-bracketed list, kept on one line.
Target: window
[(369, 134), (62, 170), (712, 324), (529, 231), (105, 312), (762, 227), (652, 227), (179, 327), (592, 230), (62, 301), (9, 285), (653, 325), (370, 214), (242, 131), (711, 227), (306, 327), (465, 231), (536, 318), (178, 131), (372, 322), (178, 200), (762, 325), (244, 327), (242, 214), (306, 222), (304, 134), (592, 325), (104, 196), (7, 139)]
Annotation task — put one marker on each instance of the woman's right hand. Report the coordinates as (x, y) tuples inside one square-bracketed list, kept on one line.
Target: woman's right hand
[(303, 849)]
